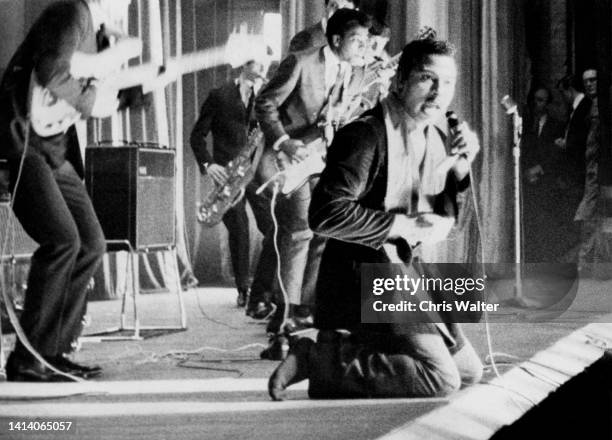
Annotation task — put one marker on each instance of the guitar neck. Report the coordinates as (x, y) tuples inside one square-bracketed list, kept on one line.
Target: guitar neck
[(143, 74), (193, 62), (372, 76)]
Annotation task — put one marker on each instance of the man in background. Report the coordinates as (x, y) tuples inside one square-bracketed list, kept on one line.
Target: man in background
[(295, 107), (227, 113), (572, 147), (545, 239), (314, 36), (586, 214)]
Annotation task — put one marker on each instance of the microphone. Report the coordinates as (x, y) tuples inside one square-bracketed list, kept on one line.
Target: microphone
[(453, 125), (509, 104), (453, 121), (454, 130)]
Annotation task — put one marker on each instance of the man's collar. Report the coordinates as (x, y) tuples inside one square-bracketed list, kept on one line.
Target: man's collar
[(324, 24), (241, 82), (399, 116), (330, 56)]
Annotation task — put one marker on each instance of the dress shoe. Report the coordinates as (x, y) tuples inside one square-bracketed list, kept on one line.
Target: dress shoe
[(19, 370), (292, 370), (277, 349), (64, 364), (297, 324), (241, 299), (261, 311), (189, 281)]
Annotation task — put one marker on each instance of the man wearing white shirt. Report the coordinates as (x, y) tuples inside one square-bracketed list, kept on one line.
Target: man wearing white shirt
[(573, 149), (227, 113), (291, 109), (391, 176)]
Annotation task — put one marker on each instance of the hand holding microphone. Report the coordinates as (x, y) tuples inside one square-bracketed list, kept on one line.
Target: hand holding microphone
[(464, 142)]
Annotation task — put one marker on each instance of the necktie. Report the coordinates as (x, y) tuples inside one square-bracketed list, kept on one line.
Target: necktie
[(249, 107), (335, 94)]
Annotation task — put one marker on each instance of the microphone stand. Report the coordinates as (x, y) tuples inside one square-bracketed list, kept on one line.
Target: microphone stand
[(517, 129)]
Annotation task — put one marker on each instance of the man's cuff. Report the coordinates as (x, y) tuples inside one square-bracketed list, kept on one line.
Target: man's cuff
[(280, 140)]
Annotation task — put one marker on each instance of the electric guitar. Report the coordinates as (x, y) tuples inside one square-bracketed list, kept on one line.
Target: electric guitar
[(50, 115), (380, 71), (290, 175)]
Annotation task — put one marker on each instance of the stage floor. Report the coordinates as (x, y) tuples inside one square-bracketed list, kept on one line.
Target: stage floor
[(208, 381)]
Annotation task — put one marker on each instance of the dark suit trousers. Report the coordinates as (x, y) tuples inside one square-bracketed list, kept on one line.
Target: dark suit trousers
[(300, 250), (55, 210), (417, 363), (237, 223)]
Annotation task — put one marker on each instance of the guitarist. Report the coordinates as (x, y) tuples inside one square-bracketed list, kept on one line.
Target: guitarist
[(227, 113), (50, 199), (381, 171), (290, 108)]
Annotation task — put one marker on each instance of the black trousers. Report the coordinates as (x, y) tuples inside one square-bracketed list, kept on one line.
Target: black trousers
[(237, 223), (55, 210)]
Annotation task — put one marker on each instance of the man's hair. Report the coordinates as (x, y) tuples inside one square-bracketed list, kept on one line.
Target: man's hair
[(417, 53), (345, 20), (354, 2), (534, 90), (570, 81)]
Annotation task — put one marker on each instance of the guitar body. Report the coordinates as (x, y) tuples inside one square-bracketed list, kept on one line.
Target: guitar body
[(291, 175), (49, 115)]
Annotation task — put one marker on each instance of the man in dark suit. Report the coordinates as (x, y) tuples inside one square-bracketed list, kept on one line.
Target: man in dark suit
[(290, 108), (545, 239), (587, 214), (227, 113), (388, 178), (49, 197), (314, 36), (573, 148)]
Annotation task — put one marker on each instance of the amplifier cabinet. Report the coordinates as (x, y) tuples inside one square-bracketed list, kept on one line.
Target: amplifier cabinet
[(132, 190)]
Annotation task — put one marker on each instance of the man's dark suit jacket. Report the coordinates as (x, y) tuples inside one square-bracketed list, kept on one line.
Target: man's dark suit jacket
[(310, 38), (225, 115), (63, 28), (540, 148), (347, 207), (291, 102), (577, 131)]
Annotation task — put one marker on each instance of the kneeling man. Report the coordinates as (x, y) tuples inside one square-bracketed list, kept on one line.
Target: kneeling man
[(385, 172)]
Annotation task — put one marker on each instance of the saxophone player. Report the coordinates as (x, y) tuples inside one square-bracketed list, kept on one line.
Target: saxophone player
[(227, 114)]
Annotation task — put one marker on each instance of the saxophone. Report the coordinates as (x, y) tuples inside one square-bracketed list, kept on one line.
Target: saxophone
[(218, 199)]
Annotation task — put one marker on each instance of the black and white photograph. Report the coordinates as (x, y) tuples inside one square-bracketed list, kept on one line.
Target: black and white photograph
[(305, 219)]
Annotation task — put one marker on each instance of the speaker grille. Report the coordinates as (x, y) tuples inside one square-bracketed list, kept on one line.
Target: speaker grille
[(155, 211), (132, 191)]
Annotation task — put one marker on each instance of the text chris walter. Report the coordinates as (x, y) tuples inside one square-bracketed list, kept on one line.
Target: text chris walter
[(430, 306)]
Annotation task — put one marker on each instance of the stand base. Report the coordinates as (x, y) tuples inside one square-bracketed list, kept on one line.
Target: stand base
[(131, 333)]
